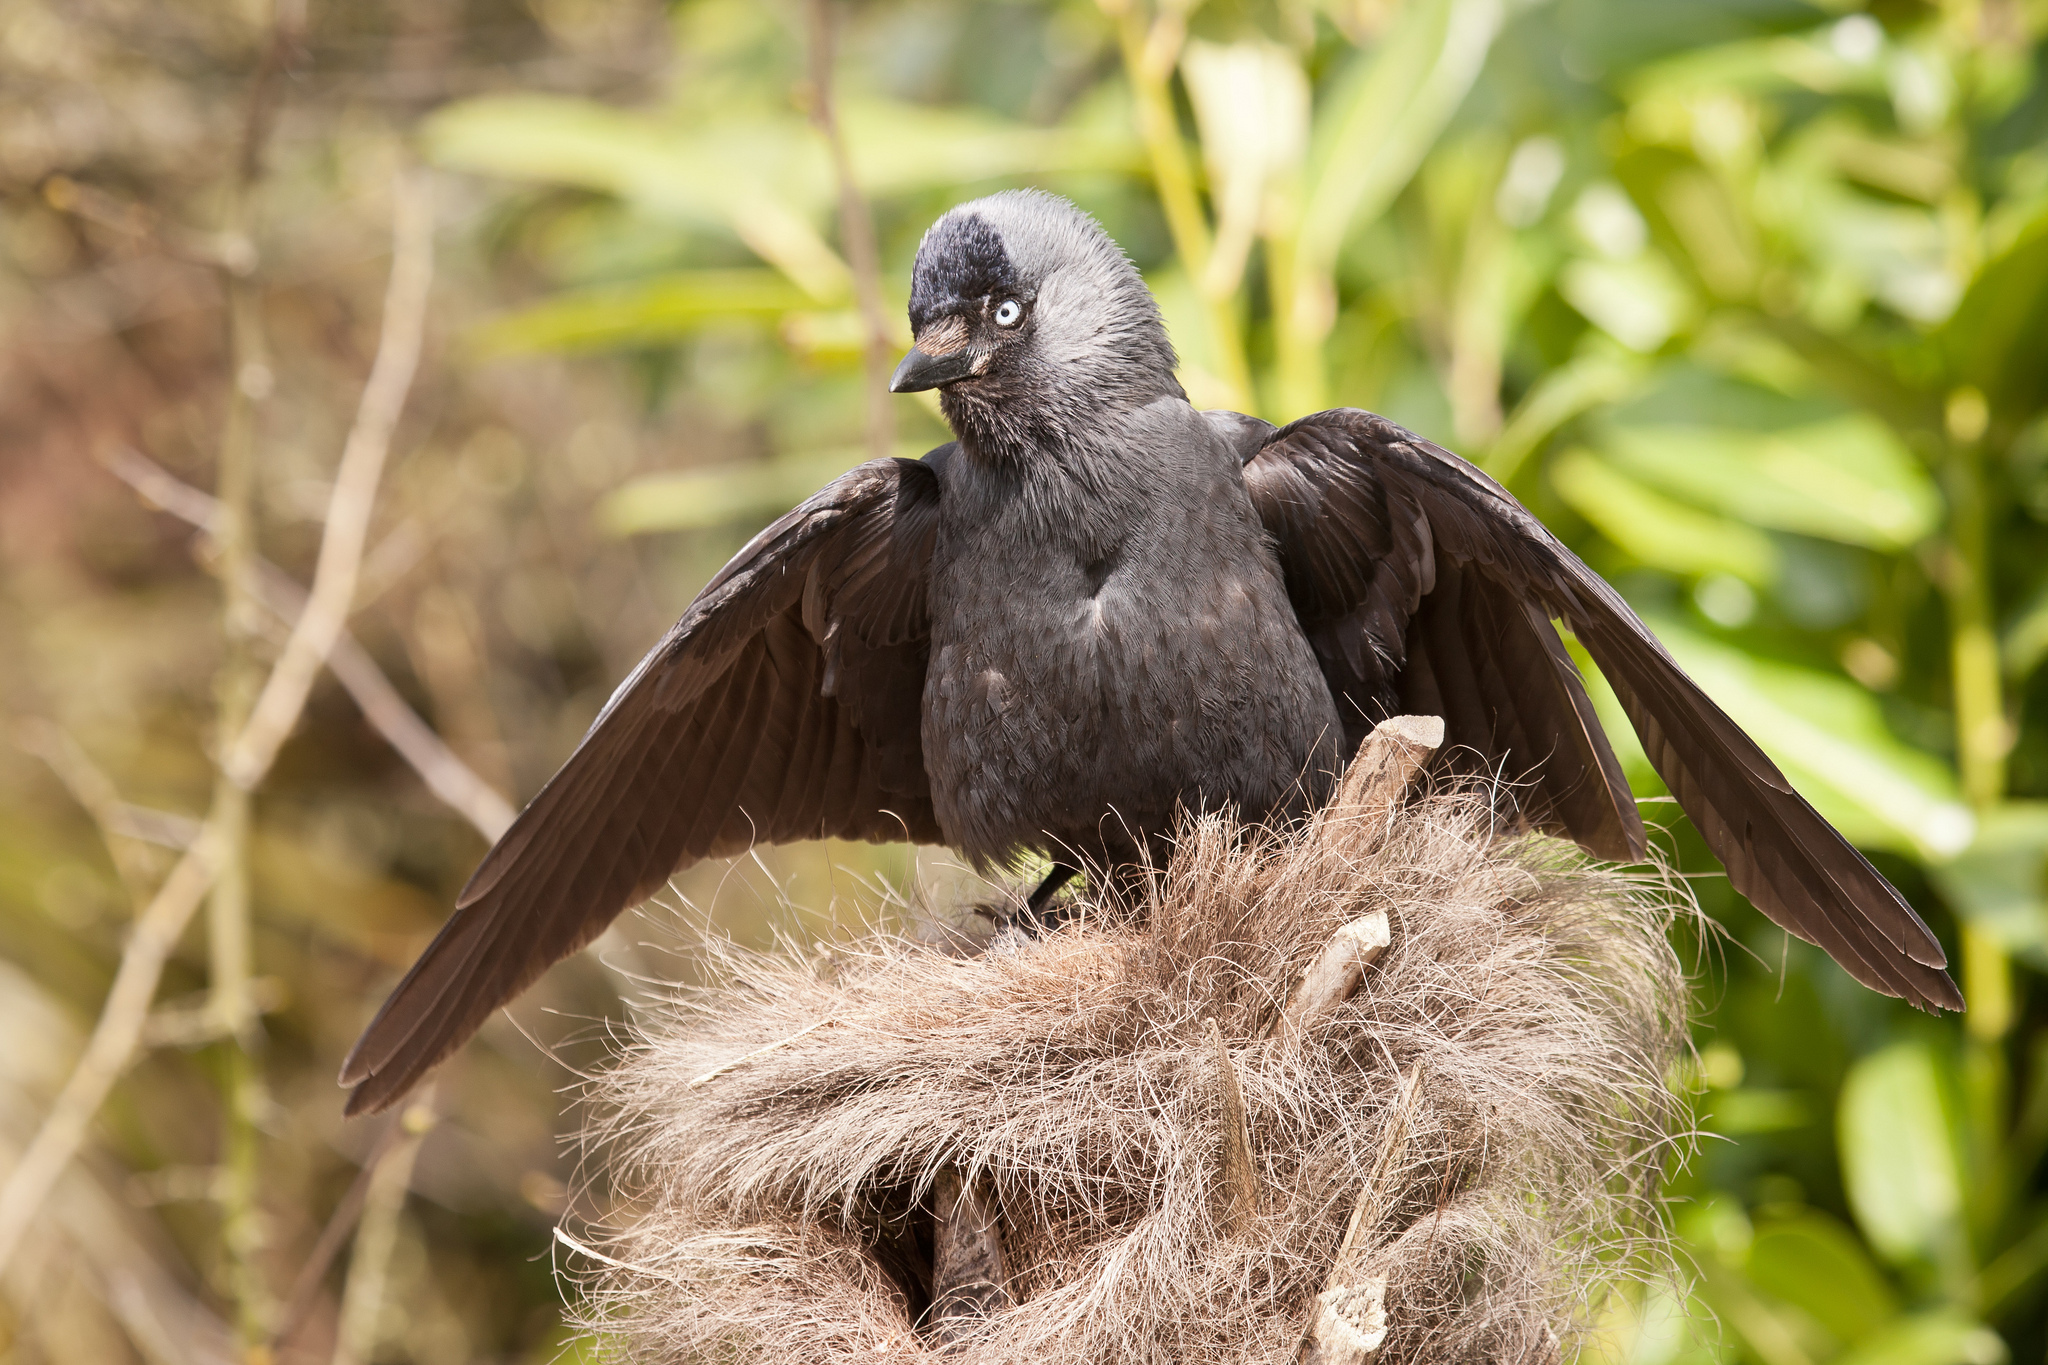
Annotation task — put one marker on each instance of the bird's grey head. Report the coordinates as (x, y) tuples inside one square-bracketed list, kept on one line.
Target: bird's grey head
[(1029, 320)]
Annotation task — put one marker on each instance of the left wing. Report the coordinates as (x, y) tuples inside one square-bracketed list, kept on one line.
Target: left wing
[(784, 705)]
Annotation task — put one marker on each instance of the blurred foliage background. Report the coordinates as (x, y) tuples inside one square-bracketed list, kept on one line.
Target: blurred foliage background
[(1747, 298)]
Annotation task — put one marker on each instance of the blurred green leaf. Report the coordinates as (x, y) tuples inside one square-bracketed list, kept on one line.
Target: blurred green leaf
[(1999, 884), (1848, 479), (899, 148), (767, 179), (1657, 531), (1385, 110), (1830, 738), (1902, 1161), (1640, 302), (1748, 1110), (1813, 1262), (1998, 336), (1939, 1338), (1592, 379), (647, 312), (721, 494), (2024, 642)]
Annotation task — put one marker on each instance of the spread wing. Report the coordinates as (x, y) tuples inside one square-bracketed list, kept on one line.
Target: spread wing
[(1425, 587), (783, 705)]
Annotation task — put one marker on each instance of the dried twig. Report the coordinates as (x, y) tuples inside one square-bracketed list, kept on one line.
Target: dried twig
[(355, 487), (92, 790), (450, 779), (113, 1039), (1240, 1178), (1329, 981), (157, 929), (1348, 1320), (362, 1302), (1387, 764)]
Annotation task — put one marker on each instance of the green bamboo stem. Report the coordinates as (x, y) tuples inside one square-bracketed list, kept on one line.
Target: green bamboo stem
[(229, 937), (1982, 730), (1150, 52)]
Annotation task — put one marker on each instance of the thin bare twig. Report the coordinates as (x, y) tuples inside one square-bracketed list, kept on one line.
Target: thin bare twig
[(857, 234), (113, 1039), (362, 1302), (450, 779), (157, 929), (407, 1127), (94, 791), (355, 487)]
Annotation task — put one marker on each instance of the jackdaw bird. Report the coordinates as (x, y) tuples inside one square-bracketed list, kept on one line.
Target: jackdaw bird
[(1098, 608)]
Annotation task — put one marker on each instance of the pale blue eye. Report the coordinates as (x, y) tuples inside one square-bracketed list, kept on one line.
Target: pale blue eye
[(1009, 313)]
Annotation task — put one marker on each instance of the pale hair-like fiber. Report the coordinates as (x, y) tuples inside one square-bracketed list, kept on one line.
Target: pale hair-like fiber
[(1531, 995)]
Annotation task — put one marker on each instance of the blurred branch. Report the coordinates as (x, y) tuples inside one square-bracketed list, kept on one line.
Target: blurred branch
[(362, 1302), (230, 932), (157, 930), (355, 487), (450, 779), (95, 793), (408, 1126), (857, 233), (113, 1038)]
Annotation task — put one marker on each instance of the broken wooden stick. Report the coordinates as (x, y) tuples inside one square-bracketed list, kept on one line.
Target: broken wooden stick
[(970, 1280), (1239, 1178), (1378, 779), (1357, 818), (1330, 980), (1348, 1320)]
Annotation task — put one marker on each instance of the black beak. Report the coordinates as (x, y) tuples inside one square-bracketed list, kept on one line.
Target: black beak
[(920, 371)]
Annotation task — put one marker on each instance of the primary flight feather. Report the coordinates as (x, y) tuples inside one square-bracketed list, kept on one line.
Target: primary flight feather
[(1096, 608)]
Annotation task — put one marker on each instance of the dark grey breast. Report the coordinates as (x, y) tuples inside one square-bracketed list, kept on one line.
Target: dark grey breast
[(1192, 605)]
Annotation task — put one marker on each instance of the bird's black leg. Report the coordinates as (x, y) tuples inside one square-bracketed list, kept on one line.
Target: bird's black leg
[(1061, 874)]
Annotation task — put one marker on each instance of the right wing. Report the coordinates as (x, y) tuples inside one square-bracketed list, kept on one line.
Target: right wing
[(784, 705), (1427, 588)]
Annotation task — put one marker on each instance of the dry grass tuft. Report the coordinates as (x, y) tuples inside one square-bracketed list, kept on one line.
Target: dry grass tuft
[(782, 1209)]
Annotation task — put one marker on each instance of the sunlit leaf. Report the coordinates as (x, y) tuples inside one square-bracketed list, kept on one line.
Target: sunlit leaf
[(1999, 333), (767, 179), (721, 494), (554, 139), (1252, 105), (1813, 1262), (1736, 1113), (1595, 377), (1902, 1161), (1829, 737), (898, 147), (647, 312), (1384, 113), (1657, 531), (1848, 479), (1653, 1325), (1938, 1338), (1640, 302)]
